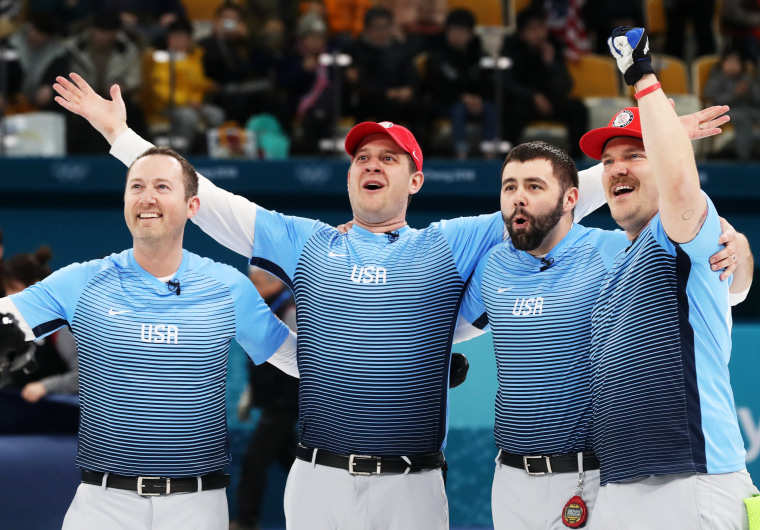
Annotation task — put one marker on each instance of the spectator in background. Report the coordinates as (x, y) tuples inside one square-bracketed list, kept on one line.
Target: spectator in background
[(538, 85), (240, 69), (416, 21), (740, 20), (72, 15), (603, 16), (700, 14), (41, 59), (146, 20), (731, 84), (276, 394), (565, 22), (345, 19), (383, 78), (306, 87), (460, 88), (103, 55), (176, 86), (55, 356)]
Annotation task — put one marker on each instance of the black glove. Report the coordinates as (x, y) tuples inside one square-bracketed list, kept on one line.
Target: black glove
[(458, 369), (12, 341), (630, 48)]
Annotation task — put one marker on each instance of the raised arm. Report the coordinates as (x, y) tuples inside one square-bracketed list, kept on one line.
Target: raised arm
[(682, 205), (228, 218)]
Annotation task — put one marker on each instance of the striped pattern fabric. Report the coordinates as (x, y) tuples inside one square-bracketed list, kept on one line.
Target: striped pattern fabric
[(540, 320), (376, 315), (647, 417), (153, 364)]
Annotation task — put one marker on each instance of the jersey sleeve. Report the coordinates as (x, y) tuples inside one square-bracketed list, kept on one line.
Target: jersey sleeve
[(280, 240), (704, 244), (469, 239), (473, 318), (51, 303), (590, 192), (258, 330), (610, 243)]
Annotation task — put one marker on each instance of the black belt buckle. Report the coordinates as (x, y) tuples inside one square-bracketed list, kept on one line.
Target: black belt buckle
[(141, 486), (354, 460), (526, 465)]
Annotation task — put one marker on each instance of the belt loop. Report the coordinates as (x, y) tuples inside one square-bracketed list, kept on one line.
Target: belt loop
[(200, 484), (408, 465), (314, 458), (498, 458), (105, 479), (580, 463)]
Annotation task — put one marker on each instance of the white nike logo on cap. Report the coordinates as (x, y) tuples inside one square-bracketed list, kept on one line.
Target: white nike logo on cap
[(112, 312)]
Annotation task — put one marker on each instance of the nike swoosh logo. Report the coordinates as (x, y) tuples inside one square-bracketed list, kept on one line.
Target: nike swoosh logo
[(334, 255), (504, 289), (112, 312)]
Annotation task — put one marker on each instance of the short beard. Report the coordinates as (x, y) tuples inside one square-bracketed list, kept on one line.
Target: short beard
[(540, 227)]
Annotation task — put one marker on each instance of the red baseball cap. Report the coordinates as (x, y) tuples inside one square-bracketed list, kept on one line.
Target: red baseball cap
[(401, 135), (625, 123)]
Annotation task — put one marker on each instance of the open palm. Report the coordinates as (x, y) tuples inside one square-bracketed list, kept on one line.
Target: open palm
[(109, 117)]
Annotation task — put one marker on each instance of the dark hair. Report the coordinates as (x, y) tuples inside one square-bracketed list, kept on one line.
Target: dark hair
[(224, 7), (107, 21), (28, 269), (191, 177), (462, 18), (180, 25), (562, 165), (1, 236), (526, 16), (45, 22), (377, 13)]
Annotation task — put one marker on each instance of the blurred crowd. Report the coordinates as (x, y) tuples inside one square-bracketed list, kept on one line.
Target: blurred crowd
[(293, 71)]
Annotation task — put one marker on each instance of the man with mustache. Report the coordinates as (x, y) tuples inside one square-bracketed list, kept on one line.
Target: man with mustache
[(374, 369), (664, 423), (535, 292)]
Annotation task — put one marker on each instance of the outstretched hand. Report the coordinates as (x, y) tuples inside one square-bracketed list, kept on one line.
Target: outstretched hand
[(705, 122), (109, 117)]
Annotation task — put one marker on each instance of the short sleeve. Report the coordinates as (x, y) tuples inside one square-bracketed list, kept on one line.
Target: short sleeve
[(469, 238)]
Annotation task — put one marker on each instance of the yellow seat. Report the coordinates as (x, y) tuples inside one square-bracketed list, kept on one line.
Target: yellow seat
[(700, 73), (672, 72), (204, 9), (487, 12), (594, 76), (654, 17)]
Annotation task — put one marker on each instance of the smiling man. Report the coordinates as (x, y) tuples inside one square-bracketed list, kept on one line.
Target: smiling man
[(153, 327), (664, 423), (377, 308)]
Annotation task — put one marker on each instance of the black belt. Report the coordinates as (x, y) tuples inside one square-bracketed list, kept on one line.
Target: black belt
[(541, 465), (150, 486), (372, 465)]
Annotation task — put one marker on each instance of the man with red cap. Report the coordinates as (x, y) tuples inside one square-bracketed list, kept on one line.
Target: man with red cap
[(374, 368), (664, 424)]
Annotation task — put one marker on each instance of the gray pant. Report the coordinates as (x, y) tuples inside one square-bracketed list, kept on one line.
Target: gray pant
[(97, 508), (327, 498), (685, 500), (535, 502)]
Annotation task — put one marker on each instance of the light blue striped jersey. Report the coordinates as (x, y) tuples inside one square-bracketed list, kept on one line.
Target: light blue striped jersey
[(540, 319), (152, 364), (660, 346), (376, 316)]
